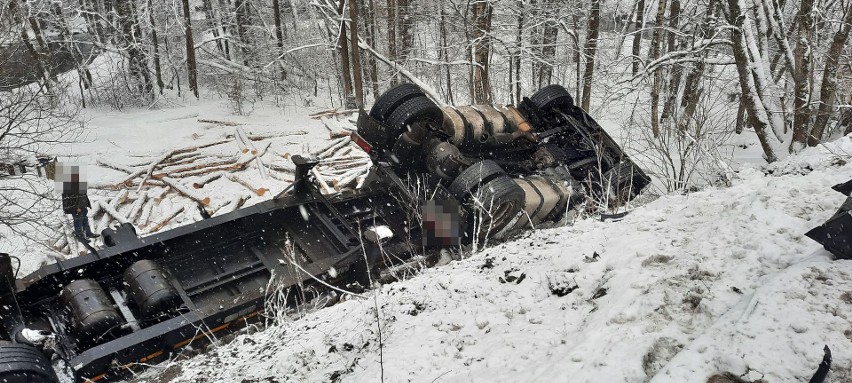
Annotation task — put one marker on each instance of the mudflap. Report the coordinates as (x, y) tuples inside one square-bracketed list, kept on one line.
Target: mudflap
[(836, 233)]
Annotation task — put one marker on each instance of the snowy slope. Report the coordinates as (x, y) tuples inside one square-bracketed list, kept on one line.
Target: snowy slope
[(682, 288)]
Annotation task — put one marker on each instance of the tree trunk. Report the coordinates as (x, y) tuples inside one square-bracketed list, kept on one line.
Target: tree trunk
[(405, 24), (370, 28), (242, 21), (37, 57), (136, 57), (519, 46), (589, 51), (445, 56), (803, 56), (548, 45), (829, 79), (757, 116), (656, 42), (279, 35), (191, 66), (356, 54), (343, 53), (637, 36), (392, 22), (482, 12), (677, 69), (155, 47)]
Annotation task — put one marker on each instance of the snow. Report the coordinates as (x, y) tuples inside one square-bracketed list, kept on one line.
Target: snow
[(684, 287)]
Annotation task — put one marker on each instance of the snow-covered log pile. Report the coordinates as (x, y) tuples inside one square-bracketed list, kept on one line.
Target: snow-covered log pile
[(181, 185)]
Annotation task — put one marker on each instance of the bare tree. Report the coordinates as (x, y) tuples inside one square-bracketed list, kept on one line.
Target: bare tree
[(481, 13), (590, 50)]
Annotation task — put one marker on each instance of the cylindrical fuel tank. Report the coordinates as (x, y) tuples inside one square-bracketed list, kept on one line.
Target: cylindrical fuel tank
[(91, 309), (150, 288)]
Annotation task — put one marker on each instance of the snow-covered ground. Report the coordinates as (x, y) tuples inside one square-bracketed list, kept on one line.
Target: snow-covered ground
[(720, 280), (684, 287)]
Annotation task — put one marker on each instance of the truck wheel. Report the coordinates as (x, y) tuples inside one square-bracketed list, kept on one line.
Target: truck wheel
[(621, 183), (392, 99), (420, 109), (21, 363), (477, 174), (553, 96), (497, 204)]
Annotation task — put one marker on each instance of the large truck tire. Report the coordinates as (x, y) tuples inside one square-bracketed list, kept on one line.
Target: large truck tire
[(493, 199), (21, 363), (553, 96), (622, 182), (495, 206), (419, 109), (477, 174), (392, 99)]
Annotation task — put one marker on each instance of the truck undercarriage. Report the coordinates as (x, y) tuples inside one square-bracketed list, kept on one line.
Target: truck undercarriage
[(441, 177)]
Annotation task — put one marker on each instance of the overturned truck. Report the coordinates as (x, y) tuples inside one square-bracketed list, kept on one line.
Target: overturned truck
[(441, 177)]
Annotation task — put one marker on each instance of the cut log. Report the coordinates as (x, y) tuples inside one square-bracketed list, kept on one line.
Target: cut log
[(339, 133), (186, 192), (218, 122), (146, 212), (347, 179), (332, 113), (338, 143), (121, 168), (261, 137), (109, 210), (321, 182), (159, 193), (328, 152), (165, 221), (232, 205), (136, 207), (260, 191), (177, 171), (204, 180), (151, 167)]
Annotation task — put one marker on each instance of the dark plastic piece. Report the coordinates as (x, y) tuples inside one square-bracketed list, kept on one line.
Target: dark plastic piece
[(304, 165), (124, 233), (91, 309), (21, 363), (150, 288), (373, 131), (824, 366), (836, 233)]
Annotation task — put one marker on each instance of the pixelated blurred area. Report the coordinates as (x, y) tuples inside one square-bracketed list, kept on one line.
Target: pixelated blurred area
[(70, 178), (441, 223)]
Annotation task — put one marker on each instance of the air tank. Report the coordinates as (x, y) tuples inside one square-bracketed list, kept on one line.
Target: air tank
[(150, 288)]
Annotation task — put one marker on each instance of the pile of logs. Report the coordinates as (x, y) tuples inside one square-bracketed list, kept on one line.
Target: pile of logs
[(170, 190)]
